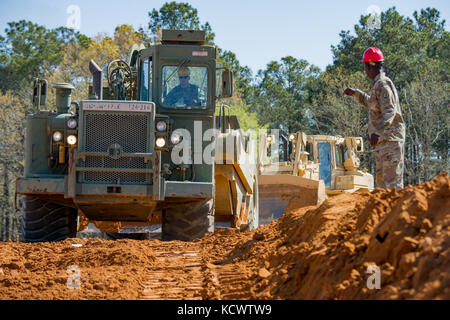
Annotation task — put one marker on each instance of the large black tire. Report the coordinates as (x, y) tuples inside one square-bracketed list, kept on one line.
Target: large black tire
[(47, 221), (187, 222)]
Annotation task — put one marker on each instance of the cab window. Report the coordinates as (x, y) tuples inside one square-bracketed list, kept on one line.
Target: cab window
[(309, 149), (218, 81), (145, 90), (325, 162), (184, 86), (339, 155)]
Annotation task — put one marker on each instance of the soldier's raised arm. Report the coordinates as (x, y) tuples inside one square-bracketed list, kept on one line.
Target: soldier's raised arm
[(362, 97)]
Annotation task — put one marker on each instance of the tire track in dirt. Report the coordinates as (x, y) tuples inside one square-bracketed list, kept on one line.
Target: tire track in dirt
[(181, 271), (178, 274), (226, 283)]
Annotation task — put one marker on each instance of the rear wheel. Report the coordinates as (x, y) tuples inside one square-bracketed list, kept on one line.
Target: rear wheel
[(47, 221), (189, 221)]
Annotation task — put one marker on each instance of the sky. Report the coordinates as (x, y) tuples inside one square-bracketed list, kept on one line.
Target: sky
[(256, 31)]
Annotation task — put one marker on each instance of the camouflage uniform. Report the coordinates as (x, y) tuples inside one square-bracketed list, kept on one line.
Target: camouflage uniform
[(185, 96), (386, 121)]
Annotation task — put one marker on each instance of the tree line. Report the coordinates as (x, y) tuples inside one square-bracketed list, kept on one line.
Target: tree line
[(290, 94)]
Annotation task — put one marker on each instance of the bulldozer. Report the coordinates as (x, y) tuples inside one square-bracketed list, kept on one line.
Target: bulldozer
[(145, 148), (312, 167)]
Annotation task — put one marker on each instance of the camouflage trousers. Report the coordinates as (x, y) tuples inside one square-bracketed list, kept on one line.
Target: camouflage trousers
[(389, 157)]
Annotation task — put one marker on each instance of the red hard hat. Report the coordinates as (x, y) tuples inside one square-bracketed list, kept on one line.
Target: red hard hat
[(373, 54)]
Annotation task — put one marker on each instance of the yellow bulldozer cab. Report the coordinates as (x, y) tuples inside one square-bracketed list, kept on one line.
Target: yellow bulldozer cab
[(317, 166)]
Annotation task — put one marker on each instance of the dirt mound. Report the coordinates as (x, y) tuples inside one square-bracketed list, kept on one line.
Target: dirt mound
[(335, 250), (387, 244)]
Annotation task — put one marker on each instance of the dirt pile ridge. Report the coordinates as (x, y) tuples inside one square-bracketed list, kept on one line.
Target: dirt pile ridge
[(331, 251), (326, 252)]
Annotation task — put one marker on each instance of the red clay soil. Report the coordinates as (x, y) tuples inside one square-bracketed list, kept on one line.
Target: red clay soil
[(325, 252), (329, 251), (108, 269)]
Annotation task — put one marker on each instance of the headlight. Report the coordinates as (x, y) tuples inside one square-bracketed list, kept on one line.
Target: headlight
[(175, 138), (160, 142), (72, 123), (71, 140), (161, 126), (269, 139), (57, 136), (291, 137)]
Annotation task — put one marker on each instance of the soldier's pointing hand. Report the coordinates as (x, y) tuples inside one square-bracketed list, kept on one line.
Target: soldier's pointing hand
[(348, 92), (374, 139)]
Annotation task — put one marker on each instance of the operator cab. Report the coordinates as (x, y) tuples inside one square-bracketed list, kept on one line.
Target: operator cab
[(180, 73)]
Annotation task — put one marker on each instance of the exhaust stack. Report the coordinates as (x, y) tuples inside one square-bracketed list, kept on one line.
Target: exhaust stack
[(97, 83)]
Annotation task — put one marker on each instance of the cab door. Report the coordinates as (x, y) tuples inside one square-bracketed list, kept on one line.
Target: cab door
[(325, 162)]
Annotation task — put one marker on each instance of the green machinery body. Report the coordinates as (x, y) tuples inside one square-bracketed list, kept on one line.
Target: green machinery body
[(116, 174)]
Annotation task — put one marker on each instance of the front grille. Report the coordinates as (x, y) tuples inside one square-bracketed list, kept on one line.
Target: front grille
[(130, 131)]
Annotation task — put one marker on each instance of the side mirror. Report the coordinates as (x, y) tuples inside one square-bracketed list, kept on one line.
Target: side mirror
[(355, 143), (133, 54), (227, 84), (40, 92)]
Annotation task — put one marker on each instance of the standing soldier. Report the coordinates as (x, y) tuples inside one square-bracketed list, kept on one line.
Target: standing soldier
[(386, 124)]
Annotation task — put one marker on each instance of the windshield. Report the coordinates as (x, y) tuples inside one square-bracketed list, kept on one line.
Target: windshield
[(184, 86)]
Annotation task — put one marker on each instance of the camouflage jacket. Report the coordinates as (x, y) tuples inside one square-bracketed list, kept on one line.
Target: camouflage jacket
[(385, 115), (179, 96)]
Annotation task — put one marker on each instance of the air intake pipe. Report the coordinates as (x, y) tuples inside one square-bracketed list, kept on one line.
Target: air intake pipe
[(63, 96)]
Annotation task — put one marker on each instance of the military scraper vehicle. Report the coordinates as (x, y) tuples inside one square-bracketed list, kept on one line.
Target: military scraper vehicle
[(145, 148)]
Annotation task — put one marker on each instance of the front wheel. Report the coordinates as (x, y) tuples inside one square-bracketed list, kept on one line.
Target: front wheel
[(189, 221), (47, 221)]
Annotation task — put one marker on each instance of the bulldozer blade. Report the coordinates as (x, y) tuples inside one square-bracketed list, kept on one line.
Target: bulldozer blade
[(278, 190)]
